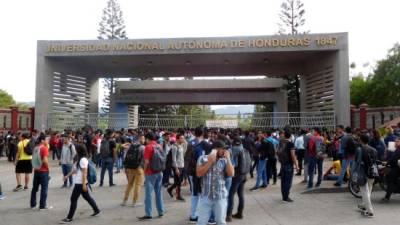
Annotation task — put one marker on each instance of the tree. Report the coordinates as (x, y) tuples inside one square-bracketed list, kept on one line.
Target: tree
[(112, 26), (292, 19), (6, 100), (358, 90), (384, 83)]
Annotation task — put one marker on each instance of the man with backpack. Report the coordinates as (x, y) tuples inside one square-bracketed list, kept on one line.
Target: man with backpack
[(68, 153), (272, 172), (348, 146), (108, 156), (315, 155), (264, 148), (242, 164), (40, 164), (196, 148), (177, 164), (133, 163), (23, 161), (367, 157), (287, 157), (154, 164)]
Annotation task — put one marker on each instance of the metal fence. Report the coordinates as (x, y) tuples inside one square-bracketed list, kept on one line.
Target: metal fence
[(261, 121)]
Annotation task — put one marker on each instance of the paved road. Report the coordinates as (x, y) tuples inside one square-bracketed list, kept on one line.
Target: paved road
[(262, 207)]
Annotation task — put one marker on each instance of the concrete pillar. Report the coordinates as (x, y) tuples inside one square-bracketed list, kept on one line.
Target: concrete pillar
[(14, 118), (94, 95), (363, 116), (342, 87), (43, 99)]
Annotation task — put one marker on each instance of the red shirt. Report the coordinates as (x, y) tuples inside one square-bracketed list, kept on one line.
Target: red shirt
[(148, 154), (44, 152)]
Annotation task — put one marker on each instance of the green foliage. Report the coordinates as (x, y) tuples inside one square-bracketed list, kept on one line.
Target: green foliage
[(22, 106), (381, 88), (263, 108), (6, 100)]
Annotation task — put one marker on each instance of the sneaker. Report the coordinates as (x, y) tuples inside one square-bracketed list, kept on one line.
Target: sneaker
[(26, 188), (361, 208), (193, 220), (137, 204), (34, 208), (112, 185), (228, 218), (212, 222), (264, 186), (46, 208), (180, 199), (318, 185), (97, 213), (368, 214), (66, 221), (170, 193), (18, 188), (337, 184), (123, 204), (64, 186), (145, 218), (237, 216), (385, 200), (303, 182), (254, 189), (2, 197), (289, 200)]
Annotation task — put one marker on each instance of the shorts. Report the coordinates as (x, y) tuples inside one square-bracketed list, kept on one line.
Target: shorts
[(23, 166)]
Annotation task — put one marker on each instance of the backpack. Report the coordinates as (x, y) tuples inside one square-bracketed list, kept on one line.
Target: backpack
[(371, 167), (282, 153), (358, 175), (91, 174), (29, 147), (158, 160), (316, 147), (351, 146), (105, 149), (168, 163), (36, 158), (244, 162), (134, 157)]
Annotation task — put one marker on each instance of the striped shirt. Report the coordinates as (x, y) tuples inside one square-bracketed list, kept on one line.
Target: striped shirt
[(213, 183)]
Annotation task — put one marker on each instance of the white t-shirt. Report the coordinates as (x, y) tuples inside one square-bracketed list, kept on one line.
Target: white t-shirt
[(77, 177)]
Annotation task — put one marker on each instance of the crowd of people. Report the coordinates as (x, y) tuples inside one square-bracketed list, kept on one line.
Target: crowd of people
[(214, 163)]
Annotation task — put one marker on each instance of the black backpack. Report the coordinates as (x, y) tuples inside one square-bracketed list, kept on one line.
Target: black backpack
[(244, 162), (190, 158), (28, 148), (105, 149), (133, 158), (371, 166), (282, 153), (351, 146)]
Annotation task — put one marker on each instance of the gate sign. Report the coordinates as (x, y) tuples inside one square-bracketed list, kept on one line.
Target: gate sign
[(231, 123)]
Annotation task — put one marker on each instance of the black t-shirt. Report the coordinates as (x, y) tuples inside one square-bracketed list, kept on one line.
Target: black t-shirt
[(289, 147)]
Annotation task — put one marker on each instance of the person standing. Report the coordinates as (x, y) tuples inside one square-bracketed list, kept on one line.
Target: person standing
[(272, 171), (300, 150), (133, 163), (108, 156), (264, 148), (368, 158), (68, 153), (12, 145), (213, 168), (23, 163), (287, 158), (347, 150), (81, 187), (394, 173), (178, 164), (153, 179), (315, 157), (40, 162)]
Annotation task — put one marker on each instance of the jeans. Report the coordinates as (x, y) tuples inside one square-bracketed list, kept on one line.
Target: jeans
[(66, 169), (345, 164), (153, 183), (107, 164), (312, 163), (286, 180), (42, 179), (206, 206), (74, 200), (255, 164), (194, 200), (228, 185), (300, 157), (238, 183), (120, 164), (177, 182), (272, 170), (261, 173), (166, 176), (135, 182)]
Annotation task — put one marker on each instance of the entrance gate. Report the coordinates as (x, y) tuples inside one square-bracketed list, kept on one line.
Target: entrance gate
[(257, 121)]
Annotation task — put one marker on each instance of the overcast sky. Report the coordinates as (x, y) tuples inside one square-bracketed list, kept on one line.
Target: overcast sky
[(373, 26)]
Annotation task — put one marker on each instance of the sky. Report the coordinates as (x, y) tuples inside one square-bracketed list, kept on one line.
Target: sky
[(373, 27)]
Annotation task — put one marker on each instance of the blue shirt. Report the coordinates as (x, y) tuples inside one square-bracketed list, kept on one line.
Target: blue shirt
[(213, 183)]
